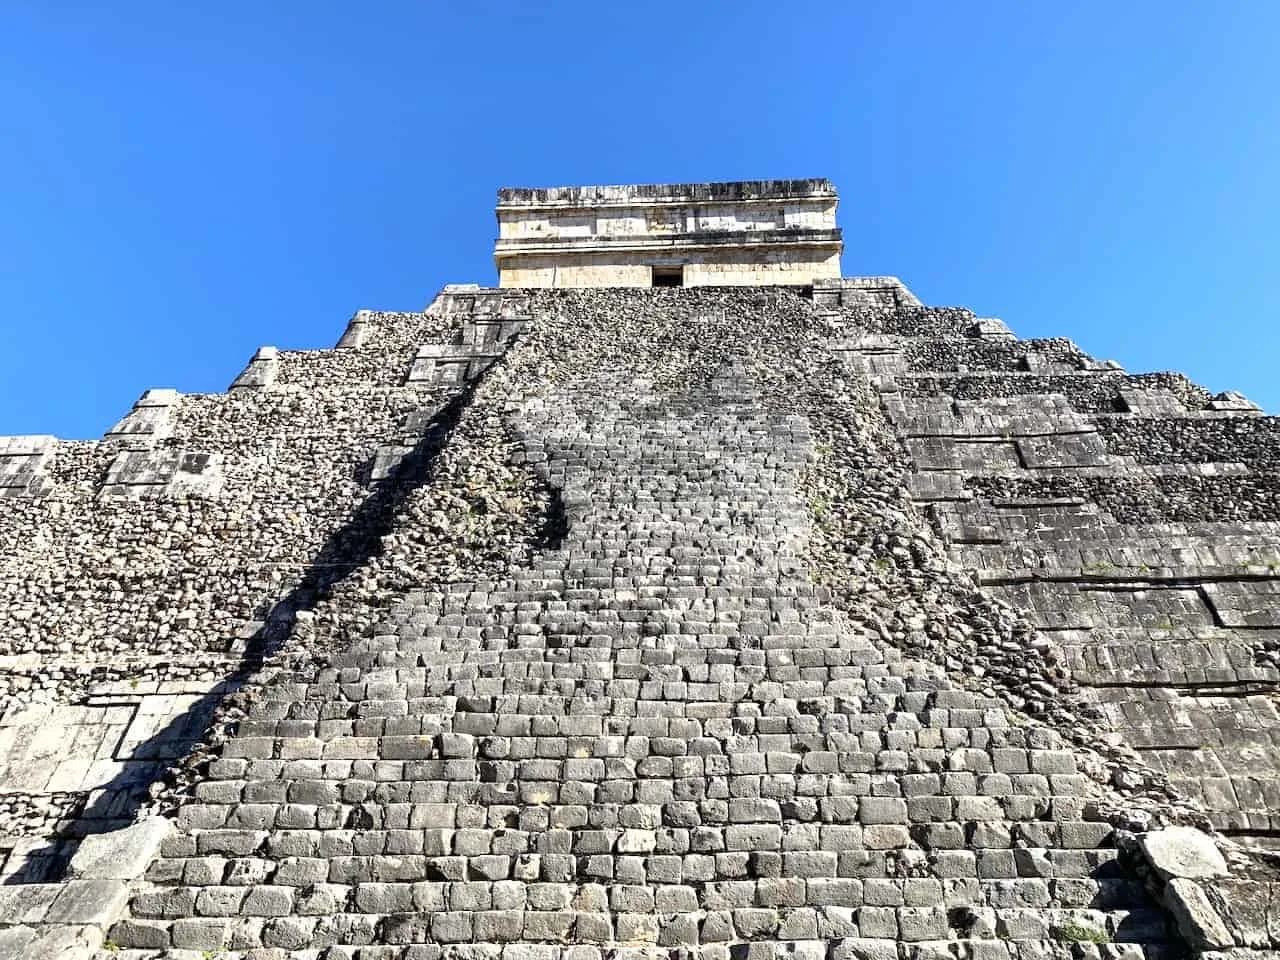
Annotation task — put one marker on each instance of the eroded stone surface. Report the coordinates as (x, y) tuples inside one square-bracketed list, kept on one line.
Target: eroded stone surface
[(1131, 518)]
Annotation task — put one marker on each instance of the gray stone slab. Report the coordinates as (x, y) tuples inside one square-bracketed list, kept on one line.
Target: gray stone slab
[(1183, 852), (27, 902), (120, 854), (1198, 922), (14, 941), (64, 942), (89, 902)]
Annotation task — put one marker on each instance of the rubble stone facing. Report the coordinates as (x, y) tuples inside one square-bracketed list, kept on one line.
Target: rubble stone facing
[(556, 624)]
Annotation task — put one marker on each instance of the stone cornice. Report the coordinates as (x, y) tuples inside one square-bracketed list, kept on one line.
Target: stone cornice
[(597, 197)]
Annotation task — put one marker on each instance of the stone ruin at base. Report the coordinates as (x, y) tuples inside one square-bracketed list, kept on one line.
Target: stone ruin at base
[(765, 615)]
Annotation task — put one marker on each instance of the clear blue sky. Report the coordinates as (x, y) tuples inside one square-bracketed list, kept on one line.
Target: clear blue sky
[(186, 182)]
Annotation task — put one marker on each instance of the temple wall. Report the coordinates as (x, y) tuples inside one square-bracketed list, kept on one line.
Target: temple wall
[(665, 218), (729, 268), (760, 232)]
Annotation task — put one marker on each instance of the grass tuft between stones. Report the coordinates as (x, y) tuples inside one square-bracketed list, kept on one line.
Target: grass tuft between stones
[(1073, 932)]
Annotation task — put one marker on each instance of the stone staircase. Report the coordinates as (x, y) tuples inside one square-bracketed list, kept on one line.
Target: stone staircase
[(657, 735)]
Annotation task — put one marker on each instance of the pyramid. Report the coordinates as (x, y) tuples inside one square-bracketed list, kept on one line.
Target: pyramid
[(676, 598)]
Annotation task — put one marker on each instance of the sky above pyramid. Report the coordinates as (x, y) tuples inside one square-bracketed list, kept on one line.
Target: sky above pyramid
[(183, 185)]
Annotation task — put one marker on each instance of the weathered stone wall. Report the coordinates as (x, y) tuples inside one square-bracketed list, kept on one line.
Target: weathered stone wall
[(1131, 519)]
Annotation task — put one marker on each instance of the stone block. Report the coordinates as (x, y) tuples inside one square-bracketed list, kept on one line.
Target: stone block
[(97, 902), (875, 810), (200, 933), (14, 941), (26, 903), (66, 942), (1197, 919), (1183, 852), (120, 854), (140, 934)]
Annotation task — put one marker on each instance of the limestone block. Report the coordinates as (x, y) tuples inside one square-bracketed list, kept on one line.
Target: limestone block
[(138, 474), (26, 903), (1245, 603), (1197, 920), (1249, 908), (936, 485), (1183, 852), (1048, 413), (98, 902), (1063, 450), (64, 941), (48, 748), (357, 330), (968, 455), (1235, 402), (989, 328), (14, 941), (120, 854), (1152, 402), (831, 294), (454, 298), (196, 475), (449, 364), (866, 356)]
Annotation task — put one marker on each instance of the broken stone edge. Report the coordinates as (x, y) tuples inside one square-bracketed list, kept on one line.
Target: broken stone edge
[(70, 919)]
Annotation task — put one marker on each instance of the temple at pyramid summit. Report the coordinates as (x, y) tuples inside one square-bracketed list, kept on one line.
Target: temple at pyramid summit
[(761, 232), (677, 597)]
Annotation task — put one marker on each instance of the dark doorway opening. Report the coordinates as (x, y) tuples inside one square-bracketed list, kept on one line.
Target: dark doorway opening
[(668, 276)]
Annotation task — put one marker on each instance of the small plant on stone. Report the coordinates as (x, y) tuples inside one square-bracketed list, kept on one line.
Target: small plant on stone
[(110, 946), (1074, 932)]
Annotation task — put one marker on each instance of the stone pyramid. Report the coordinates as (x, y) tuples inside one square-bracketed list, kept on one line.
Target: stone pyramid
[(676, 599)]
